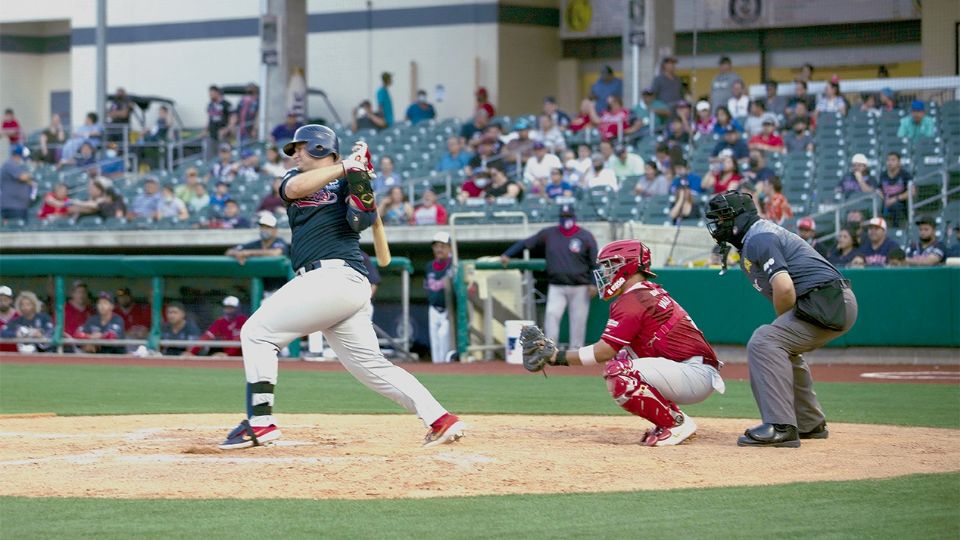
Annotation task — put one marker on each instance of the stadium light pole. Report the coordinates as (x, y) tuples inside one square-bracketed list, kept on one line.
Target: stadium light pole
[(101, 37)]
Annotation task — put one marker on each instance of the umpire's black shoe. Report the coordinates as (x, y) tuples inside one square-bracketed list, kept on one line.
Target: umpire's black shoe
[(775, 435), (819, 432)]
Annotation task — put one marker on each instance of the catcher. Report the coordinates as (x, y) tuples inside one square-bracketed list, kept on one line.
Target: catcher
[(656, 357)]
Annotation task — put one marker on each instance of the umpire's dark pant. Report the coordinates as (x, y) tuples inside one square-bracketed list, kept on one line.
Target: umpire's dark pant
[(780, 379)]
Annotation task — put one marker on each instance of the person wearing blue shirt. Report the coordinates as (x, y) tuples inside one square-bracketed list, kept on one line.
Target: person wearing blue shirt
[(557, 187), (734, 142), (683, 177), (456, 157), (420, 110), (384, 102), (607, 85)]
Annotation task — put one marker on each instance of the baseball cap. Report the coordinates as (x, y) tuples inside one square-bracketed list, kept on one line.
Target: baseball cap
[(926, 220), (442, 237), (107, 296), (20, 151), (267, 219), (481, 91), (247, 153), (859, 159), (682, 103), (6, 291), (917, 105), (521, 124), (231, 301), (539, 145), (877, 222), (807, 223), (887, 91), (703, 105), (567, 210)]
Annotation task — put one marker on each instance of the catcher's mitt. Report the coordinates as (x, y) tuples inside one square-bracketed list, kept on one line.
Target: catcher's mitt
[(537, 349)]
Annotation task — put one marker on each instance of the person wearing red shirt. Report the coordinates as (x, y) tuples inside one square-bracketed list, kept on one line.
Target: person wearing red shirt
[(55, 203), (723, 176), (656, 357), (484, 103), (136, 317), (77, 310), (768, 140), (226, 328), (777, 207), (11, 128), (7, 314), (429, 211), (614, 120), (475, 187)]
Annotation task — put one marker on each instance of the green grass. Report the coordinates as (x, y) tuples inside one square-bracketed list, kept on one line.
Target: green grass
[(85, 390), (920, 506)]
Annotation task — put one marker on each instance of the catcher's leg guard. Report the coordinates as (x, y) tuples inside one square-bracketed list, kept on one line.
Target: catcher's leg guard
[(636, 396)]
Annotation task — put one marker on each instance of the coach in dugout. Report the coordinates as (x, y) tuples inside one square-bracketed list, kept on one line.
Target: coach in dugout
[(571, 254), (268, 245)]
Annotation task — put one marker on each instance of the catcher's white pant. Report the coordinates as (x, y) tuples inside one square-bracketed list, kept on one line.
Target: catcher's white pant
[(684, 383), (439, 324), (334, 299), (559, 298)]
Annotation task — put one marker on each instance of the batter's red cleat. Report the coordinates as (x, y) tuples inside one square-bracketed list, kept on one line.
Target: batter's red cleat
[(447, 428), (247, 436)]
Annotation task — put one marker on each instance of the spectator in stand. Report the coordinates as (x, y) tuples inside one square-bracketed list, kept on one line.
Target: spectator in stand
[(394, 209), (601, 175), (831, 101), (502, 188), (683, 177), (577, 167), (29, 322), (584, 120), (170, 207), (683, 113), (7, 314), (200, 201), (928, 251), (218, 115), (888, 101), (775, 104), (267, 245), (118, 114), (777, 207), (918, 124), (187, 190), (536, 172), (161, 128), (273, 164), (549, 134), (91, 131), (104, 324), (486, 154), (622, 161), (758, 173), (739, 102), (145, 205), (483, 103), (456, 158), (386, 178), (136, 317), (474, 188), (231, 218), (954, 249), (846, 249), (52, 140), (800, 95), (11, 127), (77, 309), (17, 188), (384, 101), (607, 85), (667, 87), (284, 132), (894, 185), (869, 104), (86, 156), (472, 132), (649, 115), (705, 120), (552, 110), (722, 87), (798, 139), (218, 201), (807, 230), (226, 328), (685, 203), (806, 72), (429, 211), (768, 140), (247, 112), (55, 203), (733, 141), (880, 249), (724, 121), (665, 155), (723, 176), (421, 109), (177, 327), (520, 147), (652, 183), (557, 187), (753, 125), (249, 165), (614, 121), (272, 202), (224, 169), (858, 180)]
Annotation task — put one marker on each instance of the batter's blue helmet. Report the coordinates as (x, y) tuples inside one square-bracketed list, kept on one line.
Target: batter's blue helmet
[(321, 141)]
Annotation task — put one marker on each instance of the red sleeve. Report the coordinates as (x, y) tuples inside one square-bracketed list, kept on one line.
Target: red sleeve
[(623, 326), (218, 330), (441, 215)]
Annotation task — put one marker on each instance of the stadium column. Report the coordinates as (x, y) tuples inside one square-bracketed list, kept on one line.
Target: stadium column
[(284, 47), (648, 36)]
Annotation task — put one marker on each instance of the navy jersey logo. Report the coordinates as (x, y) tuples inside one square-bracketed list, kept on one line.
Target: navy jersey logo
[(319, 198), (575, 245)]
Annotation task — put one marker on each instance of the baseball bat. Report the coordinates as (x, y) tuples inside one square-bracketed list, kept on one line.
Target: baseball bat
[(380, 246)]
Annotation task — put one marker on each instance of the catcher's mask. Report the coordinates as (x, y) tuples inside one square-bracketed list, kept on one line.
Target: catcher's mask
[(618, 261)]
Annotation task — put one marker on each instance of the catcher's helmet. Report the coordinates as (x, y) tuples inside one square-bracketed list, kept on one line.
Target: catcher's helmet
[(722, 211), (618, 261), (321, 141)]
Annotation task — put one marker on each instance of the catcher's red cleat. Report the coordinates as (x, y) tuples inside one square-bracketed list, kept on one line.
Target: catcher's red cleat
[(447, 428)]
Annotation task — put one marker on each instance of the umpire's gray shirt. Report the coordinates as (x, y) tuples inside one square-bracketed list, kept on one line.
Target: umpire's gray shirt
[(769, 249)]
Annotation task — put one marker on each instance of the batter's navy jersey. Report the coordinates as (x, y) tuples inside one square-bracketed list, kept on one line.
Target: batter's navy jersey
[(319, 228), (769, 249), (571, 257), (437, 271)]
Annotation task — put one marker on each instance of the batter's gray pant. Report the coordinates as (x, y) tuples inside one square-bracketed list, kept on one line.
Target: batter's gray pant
[(779, 377), (559, 298)]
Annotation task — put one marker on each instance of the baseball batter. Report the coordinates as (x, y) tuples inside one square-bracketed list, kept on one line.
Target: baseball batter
[(330, 293), (656, 356)]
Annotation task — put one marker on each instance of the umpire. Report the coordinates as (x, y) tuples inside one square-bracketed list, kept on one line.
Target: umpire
[(814, 305), (571, 254)]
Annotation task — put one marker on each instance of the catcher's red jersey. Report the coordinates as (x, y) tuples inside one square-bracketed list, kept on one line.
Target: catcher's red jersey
[(654, 325)]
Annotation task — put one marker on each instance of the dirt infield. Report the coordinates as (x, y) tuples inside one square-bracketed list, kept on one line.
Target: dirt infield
[(893, 373), (378, 456)]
